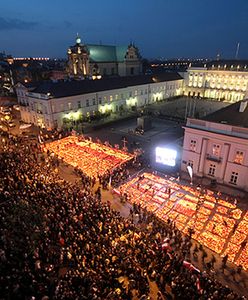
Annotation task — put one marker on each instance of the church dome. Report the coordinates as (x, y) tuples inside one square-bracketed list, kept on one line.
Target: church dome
[(78, 40)]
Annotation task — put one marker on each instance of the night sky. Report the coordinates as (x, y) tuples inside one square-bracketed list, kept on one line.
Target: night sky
[(160, 28)]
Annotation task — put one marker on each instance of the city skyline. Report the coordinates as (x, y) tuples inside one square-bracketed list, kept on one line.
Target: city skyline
[(161, 29)]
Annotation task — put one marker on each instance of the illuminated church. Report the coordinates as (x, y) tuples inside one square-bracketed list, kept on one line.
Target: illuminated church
[(86, 60)]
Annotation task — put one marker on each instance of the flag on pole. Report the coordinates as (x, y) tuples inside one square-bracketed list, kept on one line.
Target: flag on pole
[(190, 170)]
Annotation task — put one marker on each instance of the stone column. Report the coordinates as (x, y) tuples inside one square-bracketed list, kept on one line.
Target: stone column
[(202, 156), (226, 150)]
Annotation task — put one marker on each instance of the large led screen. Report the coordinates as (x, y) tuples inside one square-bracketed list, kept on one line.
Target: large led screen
[(166, 156)]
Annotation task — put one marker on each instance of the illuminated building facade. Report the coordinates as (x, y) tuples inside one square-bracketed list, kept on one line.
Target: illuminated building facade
[(216, 147), (85, 60), (220, 82), (52, 104)]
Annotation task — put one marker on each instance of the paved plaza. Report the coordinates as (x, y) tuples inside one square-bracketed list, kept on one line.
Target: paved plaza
[(167, 119)]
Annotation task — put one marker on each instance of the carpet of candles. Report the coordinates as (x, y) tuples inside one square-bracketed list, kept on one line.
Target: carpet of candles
[(91, 158), (217, 223)]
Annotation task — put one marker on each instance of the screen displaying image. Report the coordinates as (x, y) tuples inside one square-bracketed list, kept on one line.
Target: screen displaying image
[(166, 156)]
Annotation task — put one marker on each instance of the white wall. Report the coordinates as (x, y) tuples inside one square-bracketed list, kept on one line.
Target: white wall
[(229, 145), (49, 112)]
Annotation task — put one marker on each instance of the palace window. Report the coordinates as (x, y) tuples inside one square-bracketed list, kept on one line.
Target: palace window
[(234, 178), (100, 100), (111, 98), (239, 157), (93, 101), (193, 145), (87, 102), (69, 105), (79, 104), (212, 169), (216, 150)]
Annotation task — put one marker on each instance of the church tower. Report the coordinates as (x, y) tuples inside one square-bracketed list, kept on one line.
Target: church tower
[(78, 60)]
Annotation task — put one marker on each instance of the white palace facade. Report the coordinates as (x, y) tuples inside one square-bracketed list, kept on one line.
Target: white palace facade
[(216, 147), (219, 81), (51, 104)]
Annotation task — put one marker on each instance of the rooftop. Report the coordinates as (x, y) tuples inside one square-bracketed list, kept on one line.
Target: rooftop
[(223, 64), (105, 53), (73, 88), (235, 114)]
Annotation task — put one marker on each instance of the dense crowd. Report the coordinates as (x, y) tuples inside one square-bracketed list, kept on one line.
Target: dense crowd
[(60, 241)]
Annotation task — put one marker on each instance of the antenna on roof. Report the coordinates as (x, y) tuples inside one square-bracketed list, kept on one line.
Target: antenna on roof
[(237, 51)]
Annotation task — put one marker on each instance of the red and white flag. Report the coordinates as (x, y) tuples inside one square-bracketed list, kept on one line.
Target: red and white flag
[(198, 286), (166, 244), (190, 267)]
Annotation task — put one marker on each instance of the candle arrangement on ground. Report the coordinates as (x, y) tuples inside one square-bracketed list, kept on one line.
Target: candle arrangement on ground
[(216, 223), (91, 158)]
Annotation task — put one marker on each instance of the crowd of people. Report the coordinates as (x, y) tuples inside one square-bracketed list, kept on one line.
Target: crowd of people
[(60, 241)]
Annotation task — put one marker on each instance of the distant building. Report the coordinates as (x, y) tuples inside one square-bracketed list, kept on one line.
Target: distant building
[(55, 104), (222, 80), (85, 60), (6, 78), (216, 147), (56, 75)]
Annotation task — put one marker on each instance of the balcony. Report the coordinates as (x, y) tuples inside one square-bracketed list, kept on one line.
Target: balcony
[(213, 158)]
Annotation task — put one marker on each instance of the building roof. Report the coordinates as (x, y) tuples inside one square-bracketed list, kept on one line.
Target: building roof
[(105, 53), (73, 88), (230, 115), (223, 64), (121, 52)]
